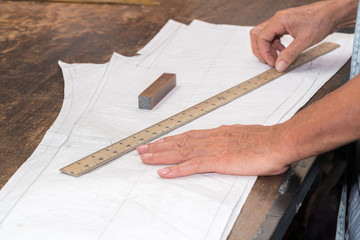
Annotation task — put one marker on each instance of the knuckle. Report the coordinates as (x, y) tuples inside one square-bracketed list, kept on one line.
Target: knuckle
[(195, 164), (254, 31), (224, 127), (239, 142), (174, 146), (280, 14), (290, 55), (152, 147), (185, 151), (226, 130), (308, 40), (176, 170), (182, 142), (191, 133), (245, 136)]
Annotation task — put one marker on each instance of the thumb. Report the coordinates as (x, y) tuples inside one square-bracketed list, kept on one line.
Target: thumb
[(289, 54)]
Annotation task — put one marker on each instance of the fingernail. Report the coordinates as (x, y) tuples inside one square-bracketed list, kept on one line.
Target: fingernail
[(146, 156), (281, 66), (160, 140), (142, 148), (163, 171)]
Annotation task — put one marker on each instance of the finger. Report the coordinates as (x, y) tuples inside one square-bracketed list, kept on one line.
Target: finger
[(254, 45), (192, 134), (289, 54), (174, 156), (254, 40), (196, 165), (180, 139), (268, 40), (268, 54), (278, 45), (172, 142), (159, 146)]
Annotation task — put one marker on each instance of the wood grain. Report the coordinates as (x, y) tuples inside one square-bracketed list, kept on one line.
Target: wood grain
[(153, 94), (126, 2)]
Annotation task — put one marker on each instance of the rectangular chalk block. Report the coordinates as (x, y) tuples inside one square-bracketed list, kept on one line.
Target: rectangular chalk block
[(157, 91)]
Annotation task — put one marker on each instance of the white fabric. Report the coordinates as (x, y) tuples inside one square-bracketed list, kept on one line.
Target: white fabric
[(126, 199)]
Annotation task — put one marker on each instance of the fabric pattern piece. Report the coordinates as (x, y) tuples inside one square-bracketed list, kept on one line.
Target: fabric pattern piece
[(126, 199)]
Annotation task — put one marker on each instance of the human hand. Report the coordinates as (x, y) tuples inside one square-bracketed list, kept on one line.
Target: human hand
[(234, 149), (308, 25)]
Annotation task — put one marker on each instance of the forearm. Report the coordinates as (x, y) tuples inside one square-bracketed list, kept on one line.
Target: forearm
[(328, 123)]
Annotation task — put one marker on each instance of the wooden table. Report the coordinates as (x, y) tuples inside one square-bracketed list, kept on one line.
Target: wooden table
[(34, 36)]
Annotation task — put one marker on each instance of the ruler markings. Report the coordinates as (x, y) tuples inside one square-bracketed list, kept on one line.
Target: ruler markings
[(182, 118)]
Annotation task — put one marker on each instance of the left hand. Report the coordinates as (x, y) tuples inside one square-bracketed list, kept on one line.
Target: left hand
[(234, 149), (308, 25)]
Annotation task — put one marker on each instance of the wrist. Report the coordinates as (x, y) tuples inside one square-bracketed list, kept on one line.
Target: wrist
[(282, 152), (343, 12)]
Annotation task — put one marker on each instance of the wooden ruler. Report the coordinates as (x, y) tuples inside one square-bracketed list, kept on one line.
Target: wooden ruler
[(159, 129)]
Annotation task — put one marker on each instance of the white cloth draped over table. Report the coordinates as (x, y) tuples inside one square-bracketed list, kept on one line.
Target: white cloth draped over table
[(126, 199)]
